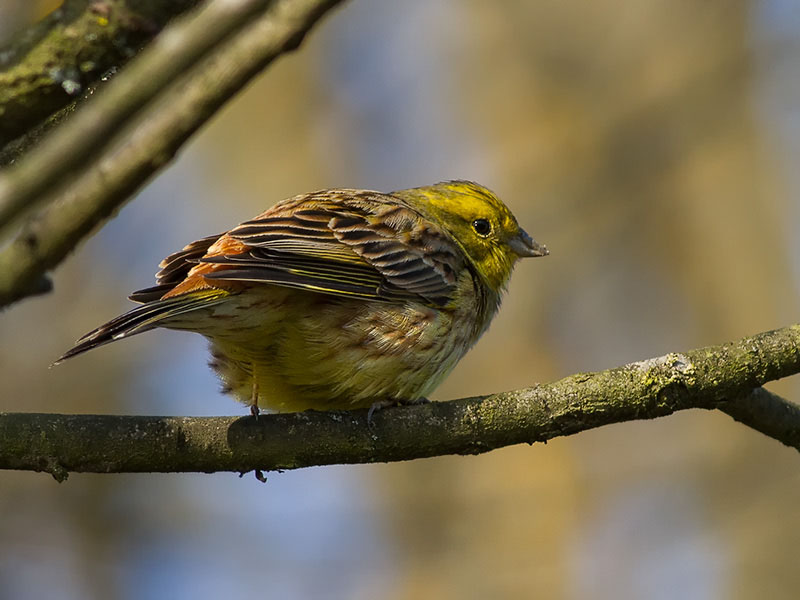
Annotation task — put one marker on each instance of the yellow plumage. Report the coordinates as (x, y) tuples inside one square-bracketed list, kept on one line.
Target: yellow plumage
[(339, 298)]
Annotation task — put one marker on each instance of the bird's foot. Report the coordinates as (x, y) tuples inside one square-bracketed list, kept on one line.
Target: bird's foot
[(257, 472), (254, 402)]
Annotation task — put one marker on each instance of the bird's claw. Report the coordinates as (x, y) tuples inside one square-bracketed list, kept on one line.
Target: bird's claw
[(379, 405)]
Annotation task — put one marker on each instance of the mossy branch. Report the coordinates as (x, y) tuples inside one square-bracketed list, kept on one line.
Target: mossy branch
[(88, 131), (727, 377), (47, 66), (83, 177)]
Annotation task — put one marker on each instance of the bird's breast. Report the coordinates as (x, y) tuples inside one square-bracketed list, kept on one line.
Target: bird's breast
[(307, 350)]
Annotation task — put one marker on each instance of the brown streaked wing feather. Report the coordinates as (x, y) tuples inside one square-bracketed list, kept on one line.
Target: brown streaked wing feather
[(391, 251), (409, 252), (295, 229), (175, 266), (260, 265)]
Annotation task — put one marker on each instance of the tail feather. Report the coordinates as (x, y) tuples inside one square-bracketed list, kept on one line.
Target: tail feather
[(144, 318)]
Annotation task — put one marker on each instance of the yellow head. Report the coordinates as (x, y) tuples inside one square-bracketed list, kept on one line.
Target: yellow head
[(480, 223)]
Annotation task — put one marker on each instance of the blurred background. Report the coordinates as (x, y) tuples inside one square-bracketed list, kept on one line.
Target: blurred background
[(653, 146)]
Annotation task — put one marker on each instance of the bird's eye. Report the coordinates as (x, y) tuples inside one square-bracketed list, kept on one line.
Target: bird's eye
[(482, 227)]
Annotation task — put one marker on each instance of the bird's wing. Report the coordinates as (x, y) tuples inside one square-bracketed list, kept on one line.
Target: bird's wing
[(174, 269), (343, 242)]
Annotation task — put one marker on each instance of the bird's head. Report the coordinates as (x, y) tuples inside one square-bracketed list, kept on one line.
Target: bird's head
[(480, 223)]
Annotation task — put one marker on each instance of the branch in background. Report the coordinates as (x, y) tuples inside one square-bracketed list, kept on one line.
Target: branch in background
[(726, 377), (45, 67), (768, 413), (67, 149), (117, 172)]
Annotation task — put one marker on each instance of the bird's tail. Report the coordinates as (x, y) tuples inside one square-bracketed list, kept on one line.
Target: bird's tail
[(143, 318)]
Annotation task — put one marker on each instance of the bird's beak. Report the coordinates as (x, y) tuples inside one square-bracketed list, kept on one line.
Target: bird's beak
[(523, 245)]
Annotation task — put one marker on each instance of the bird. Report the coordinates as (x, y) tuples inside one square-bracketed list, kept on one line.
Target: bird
[(339, 298)]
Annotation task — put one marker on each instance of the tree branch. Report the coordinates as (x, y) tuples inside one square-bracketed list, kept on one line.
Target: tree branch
[(119, 170), (726, 377), (768, 413), (88, 131), (45, 67)]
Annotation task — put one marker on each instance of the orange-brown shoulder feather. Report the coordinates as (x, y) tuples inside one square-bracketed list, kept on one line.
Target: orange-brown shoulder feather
[(195, 279)]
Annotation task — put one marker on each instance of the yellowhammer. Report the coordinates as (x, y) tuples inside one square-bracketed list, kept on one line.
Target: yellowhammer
[(339, 298)]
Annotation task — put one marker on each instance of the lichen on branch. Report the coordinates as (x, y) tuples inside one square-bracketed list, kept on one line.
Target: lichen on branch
[(46, 67)]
